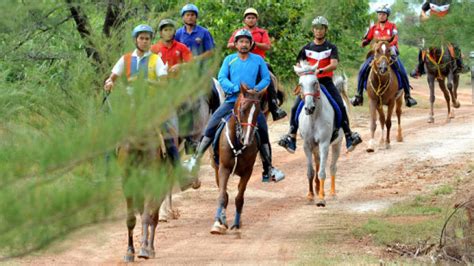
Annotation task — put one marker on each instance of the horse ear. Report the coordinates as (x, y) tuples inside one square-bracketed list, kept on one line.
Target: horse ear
[(243, 88), (297, 69)]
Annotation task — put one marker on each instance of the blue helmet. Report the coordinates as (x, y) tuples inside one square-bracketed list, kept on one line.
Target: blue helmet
[(243, 33), (384, 9), (142, 28), (189, 8)]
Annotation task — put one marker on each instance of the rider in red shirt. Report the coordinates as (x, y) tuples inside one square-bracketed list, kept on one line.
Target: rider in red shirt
[(173, 53), (261, 45), (383, 30)]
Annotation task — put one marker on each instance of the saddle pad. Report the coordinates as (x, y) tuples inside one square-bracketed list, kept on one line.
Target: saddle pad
[(338, 113)]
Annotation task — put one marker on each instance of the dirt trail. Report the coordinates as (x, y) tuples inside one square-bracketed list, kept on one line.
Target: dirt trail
[(277, 220)]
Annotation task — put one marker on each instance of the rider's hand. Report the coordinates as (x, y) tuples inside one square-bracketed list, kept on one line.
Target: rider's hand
[(108, 85), (364, 43), (174, 68)]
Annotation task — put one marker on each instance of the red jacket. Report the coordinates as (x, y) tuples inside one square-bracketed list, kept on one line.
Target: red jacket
[(388, 33), (176, 54), (259, 35)]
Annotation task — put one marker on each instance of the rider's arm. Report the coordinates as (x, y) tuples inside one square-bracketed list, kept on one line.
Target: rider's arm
[(394, 40), (368, 37), (424, 8), (223, 77), (230, 43), (264, 74), (116, 72), (331, 67), (265, 44)]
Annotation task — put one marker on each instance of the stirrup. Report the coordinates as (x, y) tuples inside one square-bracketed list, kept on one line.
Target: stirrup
[(278, 114)]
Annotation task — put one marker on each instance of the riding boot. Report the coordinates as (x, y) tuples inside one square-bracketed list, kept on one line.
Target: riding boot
[(352, 140), (201, 149), (269, 172), (172, 151), (409, 101), (358, 98), (420, 69), (288, 142), (275, 110)]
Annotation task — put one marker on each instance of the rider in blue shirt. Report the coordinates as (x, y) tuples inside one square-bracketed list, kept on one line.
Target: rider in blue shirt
[(198, 39), (251, 69)]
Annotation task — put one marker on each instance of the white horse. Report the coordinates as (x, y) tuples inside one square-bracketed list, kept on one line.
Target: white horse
[(316, 126)]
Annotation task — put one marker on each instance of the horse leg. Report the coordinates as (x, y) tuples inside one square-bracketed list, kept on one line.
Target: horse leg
[(431, 80), (323, 151), (220, 224), (309, 170), (131, 222), (398, 111), (144, 252), (317, 160), (382, 125), (388, 123), (373, 124), (166, 209), (239, 200), (336, 150), (443, 88), (456, 103), (153, 225)]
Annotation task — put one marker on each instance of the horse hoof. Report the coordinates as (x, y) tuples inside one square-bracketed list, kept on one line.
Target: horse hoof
[(144, 254), (431, 120), (387, 146), (130, 257), (400, 139), (152, 254), (218, 229), (457, 104), (310, 197), (321, 203), (370, 150)]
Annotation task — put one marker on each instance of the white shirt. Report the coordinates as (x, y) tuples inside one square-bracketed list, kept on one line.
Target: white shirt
[(160, 70)]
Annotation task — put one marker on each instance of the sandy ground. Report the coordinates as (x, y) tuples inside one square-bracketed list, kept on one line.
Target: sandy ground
[(277, 219)]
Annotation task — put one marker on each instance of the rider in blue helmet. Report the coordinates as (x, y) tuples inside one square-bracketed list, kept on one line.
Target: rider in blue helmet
[(199, 40)]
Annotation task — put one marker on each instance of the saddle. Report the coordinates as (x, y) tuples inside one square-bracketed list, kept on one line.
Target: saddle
[(335, 106)]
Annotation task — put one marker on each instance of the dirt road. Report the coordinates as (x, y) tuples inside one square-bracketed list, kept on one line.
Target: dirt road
[(277, 219)]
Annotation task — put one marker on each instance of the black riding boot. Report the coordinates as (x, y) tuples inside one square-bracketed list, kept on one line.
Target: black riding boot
[(269, 172), (420, 68), (275, 110)]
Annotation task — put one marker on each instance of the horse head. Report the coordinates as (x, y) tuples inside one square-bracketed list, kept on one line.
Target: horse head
[(247, 109), (382, 58), (309, 84)]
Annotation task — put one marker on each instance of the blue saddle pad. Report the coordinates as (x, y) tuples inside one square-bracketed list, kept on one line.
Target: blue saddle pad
[(337, 110)]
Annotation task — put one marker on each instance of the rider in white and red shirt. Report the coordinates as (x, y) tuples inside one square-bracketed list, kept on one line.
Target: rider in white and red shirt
[(324, 53), (383, 30)]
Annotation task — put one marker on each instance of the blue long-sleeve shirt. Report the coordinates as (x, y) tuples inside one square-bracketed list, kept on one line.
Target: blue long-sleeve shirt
[(235, 71)]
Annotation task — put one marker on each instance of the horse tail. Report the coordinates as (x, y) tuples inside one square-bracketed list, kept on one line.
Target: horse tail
[(342, 84)]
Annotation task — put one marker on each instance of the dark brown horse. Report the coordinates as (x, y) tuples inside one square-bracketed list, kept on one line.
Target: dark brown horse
[(144, 190), (237, 153), (439, 65), (382, 89)]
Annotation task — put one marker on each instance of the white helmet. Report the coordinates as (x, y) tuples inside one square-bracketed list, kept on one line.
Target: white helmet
[(320, 20)]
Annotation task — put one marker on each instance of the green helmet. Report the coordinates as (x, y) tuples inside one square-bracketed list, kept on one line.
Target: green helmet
[(320, 20), (166, 22)]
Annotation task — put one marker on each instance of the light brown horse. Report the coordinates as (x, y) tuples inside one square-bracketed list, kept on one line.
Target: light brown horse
[(382, 89), (439, 65), (144, 190), (238, 150)]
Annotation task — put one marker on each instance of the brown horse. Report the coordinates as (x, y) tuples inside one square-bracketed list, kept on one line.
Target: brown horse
[(143, 190), (382, 89), (237, 154), (439, 64)]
